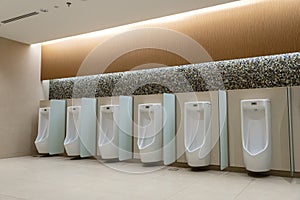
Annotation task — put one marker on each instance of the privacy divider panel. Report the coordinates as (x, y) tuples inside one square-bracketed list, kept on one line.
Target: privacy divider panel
[(290, 126), (57, 126), (125, 128), (223, 129), (169, 139), (259, 72), (295, 108), (87, 129)]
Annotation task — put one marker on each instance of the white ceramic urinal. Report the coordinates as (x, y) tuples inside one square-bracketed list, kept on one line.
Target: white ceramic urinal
[(42, 140), (150, 132), (72, 140), (256, 134), (109, 132), (197, 133)]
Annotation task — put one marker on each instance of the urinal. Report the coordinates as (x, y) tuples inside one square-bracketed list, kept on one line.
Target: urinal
[(42, 139), (150, 132), (256, 134), (109, 132), (197, 133), (72, 140)]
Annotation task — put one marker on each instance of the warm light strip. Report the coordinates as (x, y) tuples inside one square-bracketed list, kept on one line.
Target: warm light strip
[(165, 19)]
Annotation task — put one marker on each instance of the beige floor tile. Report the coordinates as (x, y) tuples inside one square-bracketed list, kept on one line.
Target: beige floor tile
[(48, 178), (271, 188), (5, 197)]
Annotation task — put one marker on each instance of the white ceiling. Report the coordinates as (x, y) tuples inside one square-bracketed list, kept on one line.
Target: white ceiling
[(84, 16)]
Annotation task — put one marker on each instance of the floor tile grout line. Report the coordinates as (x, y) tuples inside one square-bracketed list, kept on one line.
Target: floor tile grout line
[(10, 196), (249, 183), (181, 190), (186, 187)]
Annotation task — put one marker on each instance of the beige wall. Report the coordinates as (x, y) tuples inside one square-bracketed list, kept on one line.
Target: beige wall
[(21, 91), (197, 96), (279, 125), (295, 95)]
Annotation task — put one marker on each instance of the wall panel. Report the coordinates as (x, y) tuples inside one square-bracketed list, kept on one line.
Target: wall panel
[(266, 27), (21, 91)]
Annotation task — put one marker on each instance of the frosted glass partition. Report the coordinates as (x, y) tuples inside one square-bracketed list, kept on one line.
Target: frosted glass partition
[(223, 129), (87, 130), (125, 128), (169, 129), (57, 126), (290, 128)]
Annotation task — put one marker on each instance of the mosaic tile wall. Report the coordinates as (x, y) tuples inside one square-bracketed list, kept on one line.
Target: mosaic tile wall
[(259, 72)]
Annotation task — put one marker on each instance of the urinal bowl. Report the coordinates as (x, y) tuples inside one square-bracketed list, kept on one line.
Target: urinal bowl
[(42, 147), (197, 133), (194, 160), (42, 140), (72, 140), (152, 153), (109, 132), (258, 163), (150, 132), (256, 134), (73, 148)]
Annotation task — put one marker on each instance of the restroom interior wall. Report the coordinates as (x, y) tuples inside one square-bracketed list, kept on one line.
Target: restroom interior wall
[(181, 98), (263, 27), (279, 125), (21, 91), (295, 97)]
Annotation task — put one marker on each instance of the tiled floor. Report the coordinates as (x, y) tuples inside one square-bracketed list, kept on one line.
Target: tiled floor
[(64, 179)]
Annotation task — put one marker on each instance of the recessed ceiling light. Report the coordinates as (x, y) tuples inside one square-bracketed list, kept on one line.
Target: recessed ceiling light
[(69, 3), (44, 10)]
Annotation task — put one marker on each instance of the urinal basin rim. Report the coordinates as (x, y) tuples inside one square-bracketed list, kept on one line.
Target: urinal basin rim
[(139, 145), (108, 144), (196, 149), (206, 137), (259, 152), (199, 149), (42, 140), (71, 141), (109, 141)]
